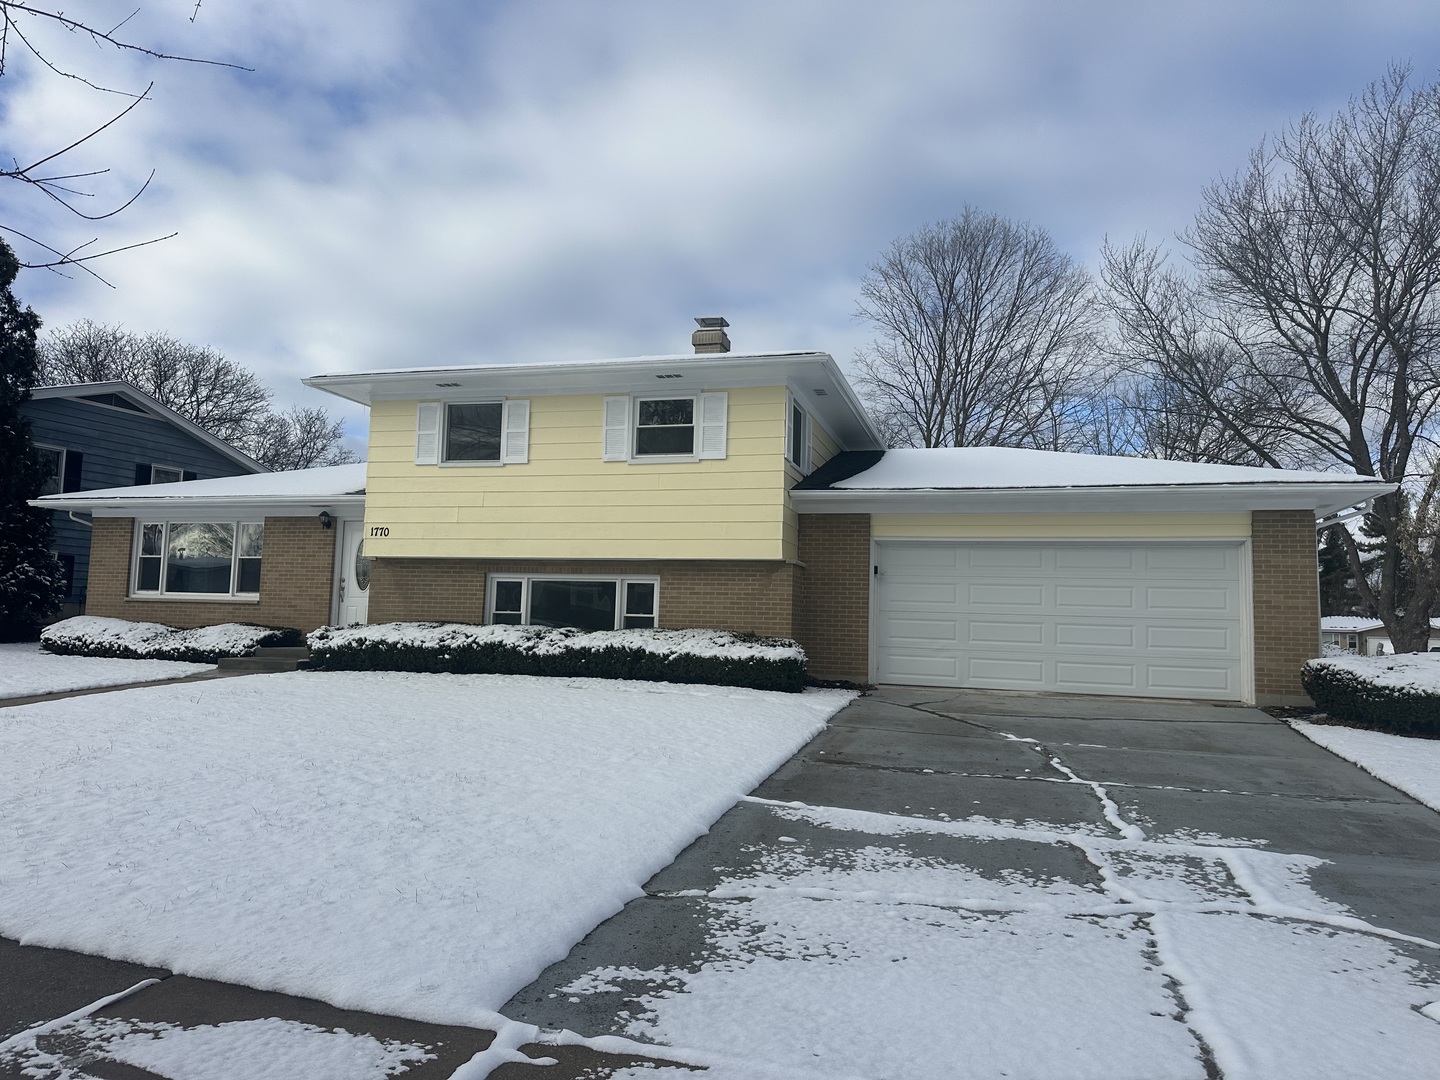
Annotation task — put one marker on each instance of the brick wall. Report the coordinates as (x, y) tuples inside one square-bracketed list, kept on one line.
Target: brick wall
[(832, 611), (296, 575), (749, 596), (1286, 602)]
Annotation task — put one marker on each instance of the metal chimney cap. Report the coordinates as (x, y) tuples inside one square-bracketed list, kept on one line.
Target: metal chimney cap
[(711, 322)]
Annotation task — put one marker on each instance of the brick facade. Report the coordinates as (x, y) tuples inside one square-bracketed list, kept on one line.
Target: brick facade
[(749, 596), (1286, 602), (296, 574), (832, 610)]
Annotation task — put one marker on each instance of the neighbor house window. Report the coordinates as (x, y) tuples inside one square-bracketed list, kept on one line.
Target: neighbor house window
[(189, 558), (665, 427), (166, 474), (590, 603), (52, 458), (472, 432)]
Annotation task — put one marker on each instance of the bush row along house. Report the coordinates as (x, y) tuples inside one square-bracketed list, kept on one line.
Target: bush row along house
[(749, 492)]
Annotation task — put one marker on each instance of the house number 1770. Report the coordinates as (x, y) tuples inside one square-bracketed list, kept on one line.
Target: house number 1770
[(379, 530)]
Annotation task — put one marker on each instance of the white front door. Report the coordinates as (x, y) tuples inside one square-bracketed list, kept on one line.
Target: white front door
[(353, 581), (1147, 618)]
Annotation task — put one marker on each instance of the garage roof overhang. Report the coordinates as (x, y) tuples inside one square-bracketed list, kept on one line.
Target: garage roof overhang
[(1319, 498)]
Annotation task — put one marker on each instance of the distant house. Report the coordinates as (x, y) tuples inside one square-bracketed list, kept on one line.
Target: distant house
[(1367, 637), (104, 435)]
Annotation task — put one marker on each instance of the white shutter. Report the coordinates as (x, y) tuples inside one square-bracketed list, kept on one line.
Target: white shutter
[(617, 429), (713, 409), (427, 433), (515, 438)]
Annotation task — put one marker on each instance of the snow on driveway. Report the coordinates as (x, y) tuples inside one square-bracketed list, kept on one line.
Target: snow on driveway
[(1412, 765), (421, 845), (25, 671)]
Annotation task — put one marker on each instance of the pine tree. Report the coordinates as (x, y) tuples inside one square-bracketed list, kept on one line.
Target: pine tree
[(1338, 594), (31, 580)]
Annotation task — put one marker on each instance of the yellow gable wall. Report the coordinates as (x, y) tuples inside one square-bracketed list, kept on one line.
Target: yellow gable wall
[(568, 503)]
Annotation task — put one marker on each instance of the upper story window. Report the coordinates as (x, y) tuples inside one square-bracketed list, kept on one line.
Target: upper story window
[(472, 432), (665, 428), (797, 436), (166, 474)]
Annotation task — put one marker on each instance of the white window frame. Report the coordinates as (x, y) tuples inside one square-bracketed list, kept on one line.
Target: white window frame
[(136, 547), (514, 433), (620, 580), (611, 451), (179, 476), (60, 473), (807, 429)]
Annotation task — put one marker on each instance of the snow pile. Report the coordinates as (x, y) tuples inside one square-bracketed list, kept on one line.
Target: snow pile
[(91, 635), (1398, 693), (422, 845), (1412, 765), (683, 656), (25, 670)]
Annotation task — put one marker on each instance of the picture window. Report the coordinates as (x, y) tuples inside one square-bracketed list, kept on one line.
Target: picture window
[(587, 603), (185, 558)]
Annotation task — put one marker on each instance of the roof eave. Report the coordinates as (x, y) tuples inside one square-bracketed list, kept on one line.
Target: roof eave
[(134, 506), (1321, 499)]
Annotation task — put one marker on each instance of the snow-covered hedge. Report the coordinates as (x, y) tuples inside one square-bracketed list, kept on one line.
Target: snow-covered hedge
[(91, 635), (1399, 693), (682, 656)]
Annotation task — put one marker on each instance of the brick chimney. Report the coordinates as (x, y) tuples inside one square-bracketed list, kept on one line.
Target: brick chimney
[(711, 337)]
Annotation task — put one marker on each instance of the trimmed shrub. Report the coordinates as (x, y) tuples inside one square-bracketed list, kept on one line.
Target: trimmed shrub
[(91, 635), (1398, 693), (680, 656)]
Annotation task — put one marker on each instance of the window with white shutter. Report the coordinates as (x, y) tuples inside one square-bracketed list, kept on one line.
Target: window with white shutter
[(617, 429), (427, 433), (515, 449), (714, 409)]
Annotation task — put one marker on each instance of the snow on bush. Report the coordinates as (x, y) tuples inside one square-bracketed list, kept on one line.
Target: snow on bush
[(91, 635), (681, 656), (1398, 693)]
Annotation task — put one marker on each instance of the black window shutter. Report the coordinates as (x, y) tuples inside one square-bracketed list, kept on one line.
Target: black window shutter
[(74, 467), (142, 473), (188, 475)]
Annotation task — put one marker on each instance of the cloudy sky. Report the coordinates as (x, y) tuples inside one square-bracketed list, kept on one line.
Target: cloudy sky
[(448, 182)]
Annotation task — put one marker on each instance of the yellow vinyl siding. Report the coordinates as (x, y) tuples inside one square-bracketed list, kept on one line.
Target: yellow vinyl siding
[(1228, 526), (567, 503), (822, 446)]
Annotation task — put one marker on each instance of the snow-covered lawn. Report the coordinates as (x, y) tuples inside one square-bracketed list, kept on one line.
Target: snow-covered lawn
[(1412, 765), (25, 670), (421, 845)]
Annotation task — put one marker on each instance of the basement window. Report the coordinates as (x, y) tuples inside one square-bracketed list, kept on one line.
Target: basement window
[(582, 601)]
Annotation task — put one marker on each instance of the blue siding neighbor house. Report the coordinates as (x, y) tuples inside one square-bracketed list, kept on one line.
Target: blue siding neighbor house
[(105, 435)]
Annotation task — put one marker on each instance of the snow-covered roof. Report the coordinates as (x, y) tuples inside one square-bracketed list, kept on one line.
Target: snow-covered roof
[(303, 488), (814, 377), (1000, 479), (1348, 624), (147, 404), (973, 467)]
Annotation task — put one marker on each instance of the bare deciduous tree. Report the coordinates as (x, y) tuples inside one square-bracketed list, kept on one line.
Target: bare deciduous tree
[(1310, 332), (29, 28), (985, 336), (225, 398)]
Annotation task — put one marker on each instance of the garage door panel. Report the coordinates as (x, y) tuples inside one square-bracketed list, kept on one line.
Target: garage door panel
[(1007, 672), (1093, 597), (1093, 635), (1005, 597), (1149, 618), (1007, 633)]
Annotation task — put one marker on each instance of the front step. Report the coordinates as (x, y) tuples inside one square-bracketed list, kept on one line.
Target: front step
[(271, 659)]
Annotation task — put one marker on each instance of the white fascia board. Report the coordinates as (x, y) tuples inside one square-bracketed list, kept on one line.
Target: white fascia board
[(1321, 499), (201, 509), (839, 407)]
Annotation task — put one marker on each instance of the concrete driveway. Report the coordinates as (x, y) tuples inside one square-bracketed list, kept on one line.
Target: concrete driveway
[(967, 884), (1220, 816)]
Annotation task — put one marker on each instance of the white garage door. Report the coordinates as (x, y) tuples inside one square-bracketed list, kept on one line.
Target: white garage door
[(1153, 619)]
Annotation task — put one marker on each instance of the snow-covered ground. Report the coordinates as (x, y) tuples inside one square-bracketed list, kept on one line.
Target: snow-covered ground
[(421, 845), (25, 670), (1412, 765)]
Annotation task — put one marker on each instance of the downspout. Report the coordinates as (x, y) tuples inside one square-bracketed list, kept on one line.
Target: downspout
[(89, 523)]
